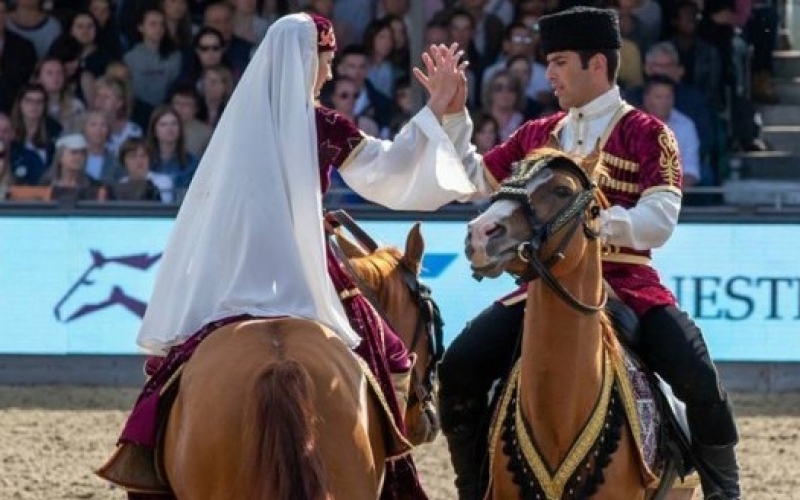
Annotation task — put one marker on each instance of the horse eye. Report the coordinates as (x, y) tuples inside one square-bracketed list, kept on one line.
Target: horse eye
[(562, 191)]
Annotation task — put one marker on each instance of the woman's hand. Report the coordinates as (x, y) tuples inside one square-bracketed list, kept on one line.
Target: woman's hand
[(444, 79)]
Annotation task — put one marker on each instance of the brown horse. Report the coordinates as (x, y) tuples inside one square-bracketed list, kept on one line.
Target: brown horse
[(561, 429), (281, 409)]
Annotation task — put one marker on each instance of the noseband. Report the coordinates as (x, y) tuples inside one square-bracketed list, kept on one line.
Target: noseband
[(572, 215)]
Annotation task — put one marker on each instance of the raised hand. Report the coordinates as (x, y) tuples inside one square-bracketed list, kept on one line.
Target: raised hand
[(444, 79)]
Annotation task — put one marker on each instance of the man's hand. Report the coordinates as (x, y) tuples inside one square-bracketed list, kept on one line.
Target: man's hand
[(445, 80)]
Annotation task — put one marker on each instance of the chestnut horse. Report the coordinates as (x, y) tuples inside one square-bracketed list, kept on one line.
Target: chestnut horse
[(281, 409), (561, 429)]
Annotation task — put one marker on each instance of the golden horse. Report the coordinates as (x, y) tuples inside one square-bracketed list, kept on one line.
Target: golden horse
[(561, 429), (281, 409)]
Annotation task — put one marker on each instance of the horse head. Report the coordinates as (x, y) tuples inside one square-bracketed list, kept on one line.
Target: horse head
[(392, 278), (540, 221)]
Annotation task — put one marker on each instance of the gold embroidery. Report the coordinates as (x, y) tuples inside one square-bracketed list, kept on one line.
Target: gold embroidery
[(615, 161), (607, 182), (327, 38), (668, 160)]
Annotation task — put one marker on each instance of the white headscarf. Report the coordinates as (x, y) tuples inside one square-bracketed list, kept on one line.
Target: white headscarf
[(248, 237)]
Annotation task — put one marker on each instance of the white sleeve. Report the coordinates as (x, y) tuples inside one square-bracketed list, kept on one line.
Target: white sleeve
[(418, 170), (458, 128), (647, 225)]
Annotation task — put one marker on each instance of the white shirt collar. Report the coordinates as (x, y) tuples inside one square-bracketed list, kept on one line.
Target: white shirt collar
[(600, 106)]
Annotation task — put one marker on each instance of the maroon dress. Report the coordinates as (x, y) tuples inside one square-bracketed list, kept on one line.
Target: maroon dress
[(640, 156)]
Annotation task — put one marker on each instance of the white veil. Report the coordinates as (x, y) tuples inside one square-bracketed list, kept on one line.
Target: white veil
[(248, 237)]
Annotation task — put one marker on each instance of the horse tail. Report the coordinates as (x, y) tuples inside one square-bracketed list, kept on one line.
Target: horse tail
[(285, 454)]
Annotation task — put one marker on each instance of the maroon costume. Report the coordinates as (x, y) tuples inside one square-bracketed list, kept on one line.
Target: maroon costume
[(640, 156)]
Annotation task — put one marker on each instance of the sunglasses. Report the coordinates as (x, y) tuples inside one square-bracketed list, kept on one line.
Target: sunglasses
[(522, 39), (209, 48)]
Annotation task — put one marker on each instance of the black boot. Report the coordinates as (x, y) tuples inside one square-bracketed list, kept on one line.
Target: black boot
[(714, 438), (719, 471), (463, 426)]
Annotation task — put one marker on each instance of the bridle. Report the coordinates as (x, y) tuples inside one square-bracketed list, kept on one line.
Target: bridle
[(429, 322), (573, 215)]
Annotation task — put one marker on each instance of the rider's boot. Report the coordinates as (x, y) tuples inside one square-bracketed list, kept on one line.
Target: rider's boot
[(462, 425), (714, 439)]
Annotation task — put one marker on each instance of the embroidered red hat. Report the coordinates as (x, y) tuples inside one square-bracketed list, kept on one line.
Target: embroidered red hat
[(326, 38)]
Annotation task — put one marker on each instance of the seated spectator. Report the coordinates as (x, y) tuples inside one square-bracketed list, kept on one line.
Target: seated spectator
[(436, 33), (7, 178), (67, 174), (79, 80), (659, 101), (138, 110), (216, 88), (62, 106), (343, 100), (503, 99), (30, 21), (178, 21), (247, 25), (206, 52), (401, 55), (17, 61), (700, 60), (140, 183), (108, 36), (101, 164), (487, 33), (520, 68), (34, 134), (237, 51), (353, 63), (166, 140), (404, 106), (486, 133), (461, 26), (112, 99), (379, 46), (521, 41), (154, 62), (83, 27), (185, 102)]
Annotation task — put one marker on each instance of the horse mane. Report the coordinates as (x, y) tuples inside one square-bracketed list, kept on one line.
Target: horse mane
[(375, 268), (610, 339)]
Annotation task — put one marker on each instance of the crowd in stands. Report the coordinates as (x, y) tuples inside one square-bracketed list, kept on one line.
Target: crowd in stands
[(102, 100)]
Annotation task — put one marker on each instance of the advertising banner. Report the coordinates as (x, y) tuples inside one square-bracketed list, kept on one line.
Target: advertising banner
[(79, 285)]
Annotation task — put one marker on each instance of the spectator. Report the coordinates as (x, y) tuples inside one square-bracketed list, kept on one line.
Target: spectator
[(343, 100), (486, 133), (503, 99), (236, 53), (501, 9), (207, 48), (659, 101), (631, 27), (166, 140), (138, 111), (246, 24), (401, 56), (18, 159), (32, 23), (530, 10), (34, 134), (185, 102), (80, 81), (7, 178), (140, 183), (84, 28), (700, 60), (353, 63), (217, 87), (461, 26), (17, 61), (112, 99), (519, 67), (488, 32), (101, 164), (178, 21), (379, 46), (436, 33), (62, 106), (519, 40), (108, 36), (153, 61), (67, 174)]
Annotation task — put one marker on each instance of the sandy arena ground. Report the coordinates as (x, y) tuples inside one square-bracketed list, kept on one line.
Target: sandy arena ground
[(51, 438)]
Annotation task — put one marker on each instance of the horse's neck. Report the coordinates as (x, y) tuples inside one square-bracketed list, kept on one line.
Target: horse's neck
[(562, 360)]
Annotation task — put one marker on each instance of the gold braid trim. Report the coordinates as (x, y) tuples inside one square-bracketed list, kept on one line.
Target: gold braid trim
[(553, 486), (615, 161), (668, 160)]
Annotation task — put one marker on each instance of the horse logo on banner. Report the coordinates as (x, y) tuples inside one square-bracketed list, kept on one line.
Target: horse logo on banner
[(96, 289)]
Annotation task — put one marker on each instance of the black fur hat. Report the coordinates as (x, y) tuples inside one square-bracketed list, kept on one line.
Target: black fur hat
[(580, 28)]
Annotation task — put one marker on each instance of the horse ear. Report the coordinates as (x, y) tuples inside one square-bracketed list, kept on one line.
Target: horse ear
[(415, 247), (351, 249)]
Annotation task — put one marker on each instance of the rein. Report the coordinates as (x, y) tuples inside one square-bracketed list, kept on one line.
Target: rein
[(573, 214), (430, 318)]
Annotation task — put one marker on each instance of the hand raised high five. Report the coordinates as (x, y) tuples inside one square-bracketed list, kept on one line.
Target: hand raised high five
[(444, 79)]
